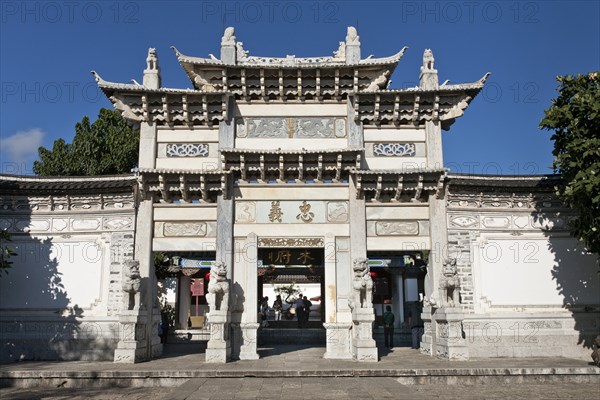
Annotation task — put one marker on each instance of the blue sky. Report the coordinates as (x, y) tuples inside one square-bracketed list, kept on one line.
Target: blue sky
[(47, 50)]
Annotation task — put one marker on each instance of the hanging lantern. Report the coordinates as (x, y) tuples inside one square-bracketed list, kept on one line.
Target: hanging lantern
[(207, 276), (373, 274)]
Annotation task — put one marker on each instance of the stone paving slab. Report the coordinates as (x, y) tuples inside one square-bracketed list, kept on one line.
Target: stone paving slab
[(313, 388), (408, 365)]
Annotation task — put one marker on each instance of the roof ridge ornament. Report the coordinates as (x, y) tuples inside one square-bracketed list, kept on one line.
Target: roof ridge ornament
[(228, 46), (352, 48), (428, 78), (152, 71)]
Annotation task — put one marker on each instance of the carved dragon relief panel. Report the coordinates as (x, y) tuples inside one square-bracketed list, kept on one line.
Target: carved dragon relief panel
[(397, 228), (293, 127)]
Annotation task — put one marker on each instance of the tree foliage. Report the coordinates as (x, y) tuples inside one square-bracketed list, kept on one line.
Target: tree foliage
[(6, 251), (574, 118), (107, 146)]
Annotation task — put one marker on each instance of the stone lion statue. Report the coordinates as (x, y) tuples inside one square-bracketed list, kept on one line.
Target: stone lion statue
[(362, 285), (152, 59), (130, 283), (450, 283), (218, 287), (428, 60)]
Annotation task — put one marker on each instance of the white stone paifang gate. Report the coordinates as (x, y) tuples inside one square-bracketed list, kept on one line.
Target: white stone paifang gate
[(300, 151)]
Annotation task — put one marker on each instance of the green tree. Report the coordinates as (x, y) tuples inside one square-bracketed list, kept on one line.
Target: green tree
[(107, 146), (574, 118), (6, 252)]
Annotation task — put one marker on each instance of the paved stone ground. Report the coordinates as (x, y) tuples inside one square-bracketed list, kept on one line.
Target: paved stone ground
[(314, 388)]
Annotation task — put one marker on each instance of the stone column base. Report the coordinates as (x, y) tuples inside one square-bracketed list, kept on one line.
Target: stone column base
[(450, 338), (249, 344), (218, 349), (132, 344), (338, 341), (428, 340), (364, 347)]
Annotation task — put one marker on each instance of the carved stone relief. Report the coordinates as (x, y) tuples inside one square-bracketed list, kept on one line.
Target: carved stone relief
[(397, 228), (314, 127), (291, 242), (26, 225), (187, 150), (464, 221), (171, 229), (245, 212), (337, 211), (85, 224), (495, 222), (118, 223), (304, 127)]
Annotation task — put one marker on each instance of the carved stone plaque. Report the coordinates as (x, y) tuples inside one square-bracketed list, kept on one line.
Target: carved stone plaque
[(291, 242)]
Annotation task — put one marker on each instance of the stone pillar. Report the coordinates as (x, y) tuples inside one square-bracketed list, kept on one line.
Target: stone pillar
[(219, 345), (249, 325), (140, 340), (398, 306), (185, 299), (338, 275)]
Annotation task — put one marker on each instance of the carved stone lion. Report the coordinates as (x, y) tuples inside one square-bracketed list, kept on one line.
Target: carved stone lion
[(130, 283), (428, 60), (152, 59), (450, 283), (218, 287), (362, 285)]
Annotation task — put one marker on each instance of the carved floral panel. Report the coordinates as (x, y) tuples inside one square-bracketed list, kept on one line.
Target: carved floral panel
[(187, 150), (394, 149)]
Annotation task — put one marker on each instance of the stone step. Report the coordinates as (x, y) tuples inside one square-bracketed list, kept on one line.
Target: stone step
[(273, 336)]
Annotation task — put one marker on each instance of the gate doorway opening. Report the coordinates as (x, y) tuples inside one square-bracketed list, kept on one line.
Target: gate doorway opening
[(291, 273)]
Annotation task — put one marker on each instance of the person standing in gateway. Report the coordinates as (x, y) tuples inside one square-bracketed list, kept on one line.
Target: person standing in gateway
[(300, 311), (388, 327)]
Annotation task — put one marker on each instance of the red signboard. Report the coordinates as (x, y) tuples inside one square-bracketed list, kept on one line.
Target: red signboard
[(197, 287)]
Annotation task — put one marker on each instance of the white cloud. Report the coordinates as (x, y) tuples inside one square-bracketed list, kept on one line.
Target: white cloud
[(20, 150)]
